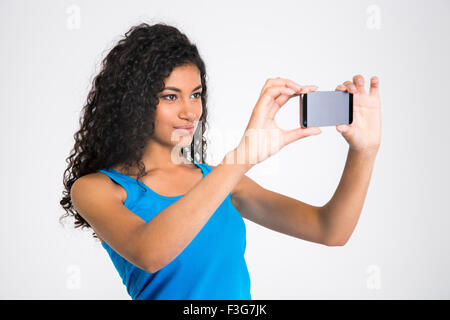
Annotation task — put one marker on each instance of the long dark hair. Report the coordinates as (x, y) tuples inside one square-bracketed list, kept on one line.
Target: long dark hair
[(118, 117)]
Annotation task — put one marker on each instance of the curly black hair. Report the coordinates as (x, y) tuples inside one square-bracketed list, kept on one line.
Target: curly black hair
[(118, 117)]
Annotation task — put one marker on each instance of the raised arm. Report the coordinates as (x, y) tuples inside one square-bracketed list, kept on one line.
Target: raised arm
[(279, 212), (341, 213), (333, 223), (330, 225)]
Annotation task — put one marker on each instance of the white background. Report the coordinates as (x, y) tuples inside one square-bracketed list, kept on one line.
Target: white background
[(50, 51)]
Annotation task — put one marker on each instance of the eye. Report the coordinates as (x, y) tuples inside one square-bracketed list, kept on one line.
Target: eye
[(169, 95), (174, 95)]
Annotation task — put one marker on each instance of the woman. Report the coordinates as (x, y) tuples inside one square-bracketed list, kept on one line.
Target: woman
[(174, 228)]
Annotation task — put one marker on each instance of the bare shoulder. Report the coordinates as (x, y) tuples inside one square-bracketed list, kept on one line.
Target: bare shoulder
[(95, 198), (99, 181), (95, 185)]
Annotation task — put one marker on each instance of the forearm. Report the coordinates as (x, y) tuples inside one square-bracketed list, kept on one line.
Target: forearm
[(340, 215), (171, 231)]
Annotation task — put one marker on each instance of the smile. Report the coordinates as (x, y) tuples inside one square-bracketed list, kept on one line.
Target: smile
[(186, 130)]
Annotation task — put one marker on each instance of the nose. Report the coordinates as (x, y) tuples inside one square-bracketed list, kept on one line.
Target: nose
[(188, 115), (187, 111)]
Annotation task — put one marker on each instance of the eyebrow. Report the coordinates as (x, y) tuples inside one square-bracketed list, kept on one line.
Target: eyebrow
[(178, 90)]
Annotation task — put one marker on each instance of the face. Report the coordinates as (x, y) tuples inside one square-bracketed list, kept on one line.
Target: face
[(179, 105)]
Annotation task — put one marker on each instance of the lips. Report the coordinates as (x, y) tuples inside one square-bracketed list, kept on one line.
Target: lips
[(185, 130), (185, 127)]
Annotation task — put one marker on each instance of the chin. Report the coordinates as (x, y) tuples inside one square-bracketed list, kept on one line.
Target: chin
[(183, 141)]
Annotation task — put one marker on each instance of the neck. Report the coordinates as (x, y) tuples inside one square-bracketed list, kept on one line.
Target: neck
[(162, 157)]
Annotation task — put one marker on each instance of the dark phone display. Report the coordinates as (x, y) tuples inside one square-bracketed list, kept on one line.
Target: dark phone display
[(326, 108)]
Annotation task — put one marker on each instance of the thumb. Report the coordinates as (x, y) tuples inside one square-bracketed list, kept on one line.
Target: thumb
[(343, 128), (298, 133)]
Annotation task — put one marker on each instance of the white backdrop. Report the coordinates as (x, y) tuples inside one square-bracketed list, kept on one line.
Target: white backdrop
[(50, 51)]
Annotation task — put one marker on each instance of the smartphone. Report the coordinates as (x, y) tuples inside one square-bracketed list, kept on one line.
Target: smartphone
[(326, 108)]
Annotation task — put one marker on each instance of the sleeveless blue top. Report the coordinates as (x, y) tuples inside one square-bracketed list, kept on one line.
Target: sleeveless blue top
[(211, 267)]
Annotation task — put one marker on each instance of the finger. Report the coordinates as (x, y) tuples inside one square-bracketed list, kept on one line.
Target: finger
[(350, 87), (341, 87), (279, 102), (308, 88), (272, 93), (346, 130), (268, 100), (302, 90), (374, 85), (358, 80), (282, 82), (342, 128), (282, 99), (290, 136)]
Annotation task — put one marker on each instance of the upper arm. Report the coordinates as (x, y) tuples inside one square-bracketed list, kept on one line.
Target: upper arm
[(94, 199), (278, 212)]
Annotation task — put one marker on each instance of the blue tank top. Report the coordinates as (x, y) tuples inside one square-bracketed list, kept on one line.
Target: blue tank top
[(211, 267)]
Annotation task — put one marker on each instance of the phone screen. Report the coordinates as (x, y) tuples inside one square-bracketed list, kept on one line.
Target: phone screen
[(326, 108)]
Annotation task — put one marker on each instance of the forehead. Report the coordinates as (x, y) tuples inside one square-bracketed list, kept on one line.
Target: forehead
[(184, 76)]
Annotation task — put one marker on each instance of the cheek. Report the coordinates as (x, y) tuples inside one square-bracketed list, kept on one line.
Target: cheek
[(199, 111), (163, 123), (164, 116)]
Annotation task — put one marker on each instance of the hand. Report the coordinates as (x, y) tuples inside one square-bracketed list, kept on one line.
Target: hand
[(263, 138), (364, 133)]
